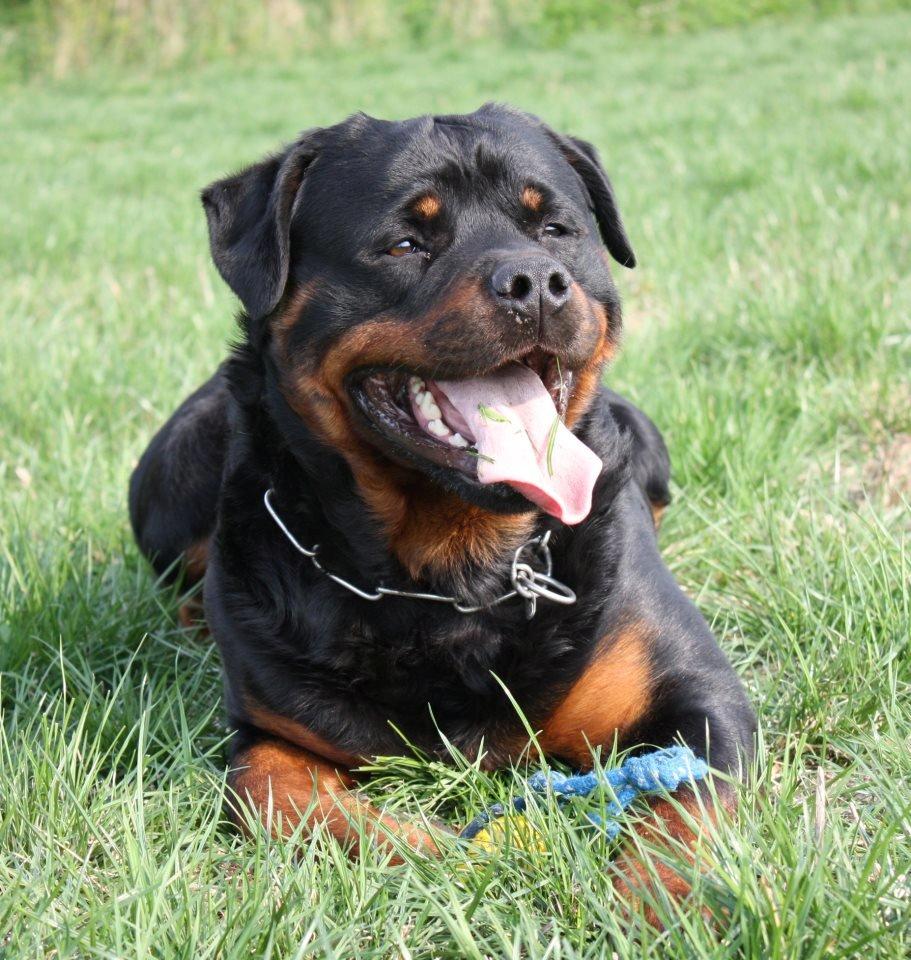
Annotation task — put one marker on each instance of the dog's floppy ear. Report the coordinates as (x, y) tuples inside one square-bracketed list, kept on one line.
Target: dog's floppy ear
[(584, 159), (249, 218)]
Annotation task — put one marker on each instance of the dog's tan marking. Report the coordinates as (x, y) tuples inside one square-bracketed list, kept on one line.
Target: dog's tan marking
[(289, 313), (533, 199), (428, 206), (428, 528), (285, 784), (191, 613), (195, 560), (613, 692)]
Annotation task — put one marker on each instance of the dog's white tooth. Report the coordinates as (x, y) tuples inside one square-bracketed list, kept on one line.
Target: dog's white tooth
[(457, 440), (437, 428), (419, 398), (416, 384), (433, 411)]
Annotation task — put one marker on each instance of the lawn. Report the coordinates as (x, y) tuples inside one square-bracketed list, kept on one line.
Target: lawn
[(765, 175)]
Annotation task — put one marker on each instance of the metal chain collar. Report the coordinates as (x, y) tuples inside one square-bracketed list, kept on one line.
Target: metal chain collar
[(528, 583)]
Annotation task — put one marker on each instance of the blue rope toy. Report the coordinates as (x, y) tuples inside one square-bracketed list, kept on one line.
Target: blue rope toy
[(661, 770)]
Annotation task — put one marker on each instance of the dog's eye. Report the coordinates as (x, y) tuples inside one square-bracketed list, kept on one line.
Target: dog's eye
[(405, 247), (554, 230)]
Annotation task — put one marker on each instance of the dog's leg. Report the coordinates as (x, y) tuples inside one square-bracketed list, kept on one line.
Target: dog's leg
[(286, 784), (676, 828), (643, 687), (710, 717), (174, 491), (175, 486), (649, 460)]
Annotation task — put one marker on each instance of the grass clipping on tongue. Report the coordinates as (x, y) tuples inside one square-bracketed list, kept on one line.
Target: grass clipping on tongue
[(488, 413), (551, 441)]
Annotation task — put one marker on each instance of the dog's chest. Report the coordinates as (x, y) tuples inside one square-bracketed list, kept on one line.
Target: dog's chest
[(454, 671)]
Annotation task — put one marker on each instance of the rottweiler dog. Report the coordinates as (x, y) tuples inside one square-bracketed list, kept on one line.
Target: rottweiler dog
[(407, 488)]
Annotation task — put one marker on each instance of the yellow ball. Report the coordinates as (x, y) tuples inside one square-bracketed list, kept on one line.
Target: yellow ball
[(521, 836)]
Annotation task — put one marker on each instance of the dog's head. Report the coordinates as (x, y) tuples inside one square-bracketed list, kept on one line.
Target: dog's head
[(433, 298)]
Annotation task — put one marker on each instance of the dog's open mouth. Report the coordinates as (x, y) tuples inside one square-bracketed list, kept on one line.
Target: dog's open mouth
[(505, 426)]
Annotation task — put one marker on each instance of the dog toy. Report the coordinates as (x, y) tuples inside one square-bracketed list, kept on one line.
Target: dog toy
[(661, 770)]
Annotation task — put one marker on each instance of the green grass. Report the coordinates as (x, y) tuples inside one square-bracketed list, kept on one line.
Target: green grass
[(62, 37), (765, 174)]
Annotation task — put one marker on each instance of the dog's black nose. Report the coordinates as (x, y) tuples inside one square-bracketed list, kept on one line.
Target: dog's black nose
[(535, 287)]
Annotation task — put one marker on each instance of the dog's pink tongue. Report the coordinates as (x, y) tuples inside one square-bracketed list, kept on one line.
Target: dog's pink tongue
[(522, 441)]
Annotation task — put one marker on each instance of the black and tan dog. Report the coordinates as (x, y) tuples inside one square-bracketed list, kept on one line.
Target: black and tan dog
[(428, 312)]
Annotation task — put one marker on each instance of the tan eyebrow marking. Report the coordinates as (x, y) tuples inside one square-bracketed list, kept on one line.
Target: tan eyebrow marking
[(428, 206), (533, 199)]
